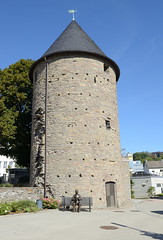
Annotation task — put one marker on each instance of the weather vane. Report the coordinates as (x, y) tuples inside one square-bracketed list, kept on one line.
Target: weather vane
[(73, 13)]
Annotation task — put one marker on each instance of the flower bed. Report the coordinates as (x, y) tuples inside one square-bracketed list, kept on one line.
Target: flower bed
[(50, 203)]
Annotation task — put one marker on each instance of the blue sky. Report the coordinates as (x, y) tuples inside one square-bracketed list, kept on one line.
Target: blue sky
[(128, 31)]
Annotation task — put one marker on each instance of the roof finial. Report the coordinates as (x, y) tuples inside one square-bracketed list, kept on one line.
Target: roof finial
[(73, 13)]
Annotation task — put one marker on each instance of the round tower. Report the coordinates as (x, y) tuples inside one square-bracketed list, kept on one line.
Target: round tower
[(74, 100)]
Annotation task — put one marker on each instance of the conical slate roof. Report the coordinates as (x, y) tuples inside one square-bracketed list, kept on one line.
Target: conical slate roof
[(74, 40)]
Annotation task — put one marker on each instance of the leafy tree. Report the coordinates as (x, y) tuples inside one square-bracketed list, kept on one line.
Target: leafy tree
[(141, 156), (15, 112)]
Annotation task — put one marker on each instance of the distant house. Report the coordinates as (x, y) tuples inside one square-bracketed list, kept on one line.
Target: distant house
[(142, 181), (157, 154), (5, 163), (154, 167), (136, 166)]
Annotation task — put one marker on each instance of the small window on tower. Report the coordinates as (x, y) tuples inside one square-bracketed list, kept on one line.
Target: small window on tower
[(106, 67), (36, 76), (107, 123)]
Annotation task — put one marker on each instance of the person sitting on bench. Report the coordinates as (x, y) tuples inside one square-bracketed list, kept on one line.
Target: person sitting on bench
[(76, 201)]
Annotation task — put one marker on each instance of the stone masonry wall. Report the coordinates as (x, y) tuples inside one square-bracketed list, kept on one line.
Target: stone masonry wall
[(9, 194), (83, 147)]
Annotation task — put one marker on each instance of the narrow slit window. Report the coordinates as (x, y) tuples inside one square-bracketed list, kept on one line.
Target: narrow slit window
[(107, 123)]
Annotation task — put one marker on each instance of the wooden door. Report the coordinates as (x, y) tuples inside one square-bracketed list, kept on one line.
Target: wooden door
[(110, 194)]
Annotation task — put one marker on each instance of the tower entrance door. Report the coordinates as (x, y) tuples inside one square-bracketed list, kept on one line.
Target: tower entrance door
[(110, 194)]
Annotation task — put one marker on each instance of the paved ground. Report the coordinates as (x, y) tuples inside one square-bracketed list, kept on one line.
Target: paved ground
[(142, 221)]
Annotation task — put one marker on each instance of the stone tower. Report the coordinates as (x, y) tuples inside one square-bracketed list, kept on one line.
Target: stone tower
[(76, 82)]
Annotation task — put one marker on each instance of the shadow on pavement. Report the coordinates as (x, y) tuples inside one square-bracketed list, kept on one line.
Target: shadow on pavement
[(71, 210), (144, 233), (160, 198), (158, 212)]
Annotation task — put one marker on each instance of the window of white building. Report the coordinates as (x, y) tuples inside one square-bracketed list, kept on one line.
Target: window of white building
[(5, 164), (11, 164), (158, 184)]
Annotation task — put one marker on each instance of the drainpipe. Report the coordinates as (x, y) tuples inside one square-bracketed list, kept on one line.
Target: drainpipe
[(46, 98)]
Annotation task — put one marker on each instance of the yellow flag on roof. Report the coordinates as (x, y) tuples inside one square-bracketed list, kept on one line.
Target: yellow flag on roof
[(72, 11)]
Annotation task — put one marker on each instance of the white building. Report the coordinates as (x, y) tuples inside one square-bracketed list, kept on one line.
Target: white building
[(5, 163), (136, 166), (143, 181), (157, 183), (154, 167)]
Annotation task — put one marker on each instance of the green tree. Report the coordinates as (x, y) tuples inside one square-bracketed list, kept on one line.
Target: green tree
[(15, 112), (142, 156)]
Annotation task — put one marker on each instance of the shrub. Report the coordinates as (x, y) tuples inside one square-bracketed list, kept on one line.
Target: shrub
[(18, 207), (132, 191), (5, 208), (159, 195), (151, 192), (50, 203), (24, 206)]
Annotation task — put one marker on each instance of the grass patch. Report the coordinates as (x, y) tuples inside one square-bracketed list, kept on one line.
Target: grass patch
[(159, 195), (6, 185)]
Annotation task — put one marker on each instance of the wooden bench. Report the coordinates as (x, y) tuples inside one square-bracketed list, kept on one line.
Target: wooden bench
[(85, 201)]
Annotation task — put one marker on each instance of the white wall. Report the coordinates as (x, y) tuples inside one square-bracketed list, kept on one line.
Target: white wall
[(156, 171), (157, 183), (4, 164), (142, 184)]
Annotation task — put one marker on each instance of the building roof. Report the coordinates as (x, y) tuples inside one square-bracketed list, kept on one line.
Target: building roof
[(154, 164), (74, 40), (139, 174)]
